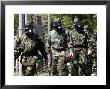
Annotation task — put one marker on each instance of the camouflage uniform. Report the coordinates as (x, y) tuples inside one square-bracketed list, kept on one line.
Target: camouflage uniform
[(31, 59), (58, 42), (79, 53)]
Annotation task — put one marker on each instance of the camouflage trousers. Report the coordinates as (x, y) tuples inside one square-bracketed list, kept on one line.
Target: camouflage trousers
[(59, 64), (31, 65), (77, 68), (80, 68), (80, 64)]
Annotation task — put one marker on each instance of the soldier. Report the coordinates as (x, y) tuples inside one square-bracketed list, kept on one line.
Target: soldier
[(29, 45), (79, 46), (58, 47)]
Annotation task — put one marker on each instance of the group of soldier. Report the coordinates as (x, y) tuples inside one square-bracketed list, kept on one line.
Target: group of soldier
[(66, 53)]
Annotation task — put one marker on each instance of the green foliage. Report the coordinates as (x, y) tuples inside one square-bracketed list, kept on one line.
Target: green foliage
[(67, 22)]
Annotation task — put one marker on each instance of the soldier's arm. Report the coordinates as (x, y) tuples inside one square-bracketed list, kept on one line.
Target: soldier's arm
[(43, 51), (41, 47)]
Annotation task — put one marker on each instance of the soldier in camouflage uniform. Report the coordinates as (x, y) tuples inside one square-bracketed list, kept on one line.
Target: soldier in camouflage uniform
[(79, 46), (31, 59), (58, 47)]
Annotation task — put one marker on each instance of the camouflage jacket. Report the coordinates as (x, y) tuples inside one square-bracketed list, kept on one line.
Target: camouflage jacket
[(30, 47), (58, 41)]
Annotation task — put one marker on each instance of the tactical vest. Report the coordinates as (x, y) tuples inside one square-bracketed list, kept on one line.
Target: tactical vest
[(76, 38), (58, 40), (28, 46)]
